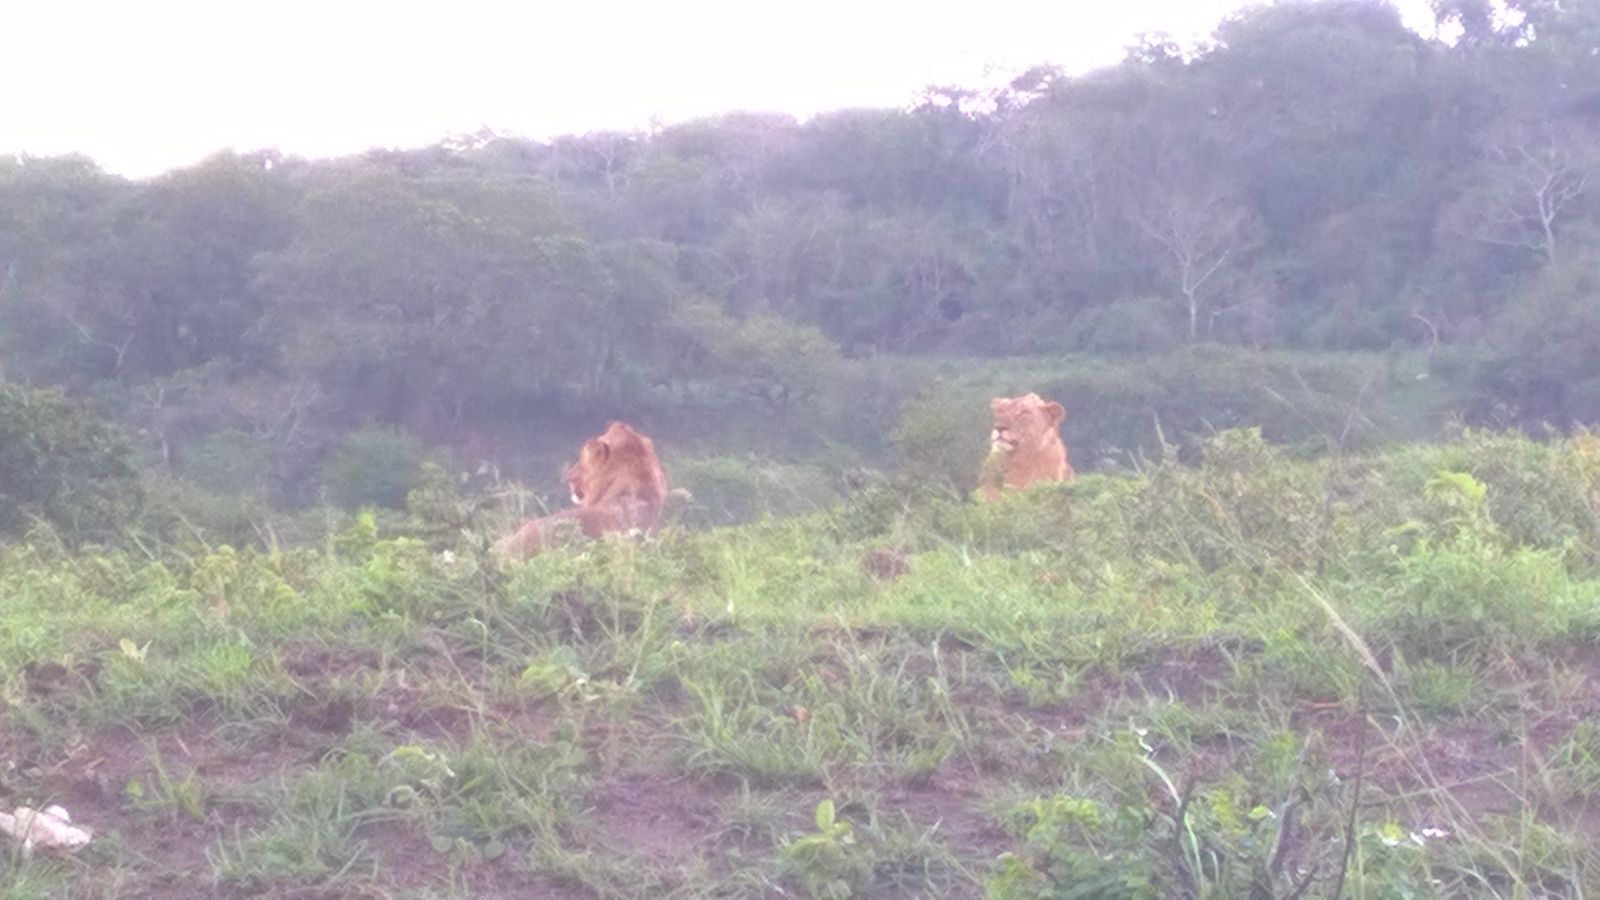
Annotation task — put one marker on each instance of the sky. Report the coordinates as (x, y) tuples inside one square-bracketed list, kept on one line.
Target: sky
[(143, 86)]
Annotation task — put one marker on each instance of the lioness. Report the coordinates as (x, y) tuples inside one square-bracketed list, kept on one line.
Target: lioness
[(1024, 446)]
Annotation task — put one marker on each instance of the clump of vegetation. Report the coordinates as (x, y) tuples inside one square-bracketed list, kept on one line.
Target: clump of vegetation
[(62, 466), (374, 466)]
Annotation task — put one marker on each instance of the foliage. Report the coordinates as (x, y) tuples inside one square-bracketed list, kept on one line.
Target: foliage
[(942, 436), (1137, 325), (373, 466), (1546, 346), (732, 272), (734, 490), (229, 462), (63, 465)]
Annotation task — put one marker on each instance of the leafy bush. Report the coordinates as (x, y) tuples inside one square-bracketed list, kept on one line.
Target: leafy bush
[(228, 462), (1243, 504), (1543, 494), (1470, 593), (1539, 494), (62, 464), (373, 466), (942, 437)]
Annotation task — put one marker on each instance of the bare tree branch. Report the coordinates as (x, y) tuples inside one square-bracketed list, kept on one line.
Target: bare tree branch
[(1201, 232), (1533, 178)]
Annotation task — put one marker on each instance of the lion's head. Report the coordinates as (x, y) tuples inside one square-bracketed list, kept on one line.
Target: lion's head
[(1025, 445), (618, 460), (1024, 421)]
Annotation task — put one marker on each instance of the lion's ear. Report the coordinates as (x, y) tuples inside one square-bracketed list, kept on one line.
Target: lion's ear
[(996, 404), (1055, 412), (600, 449)]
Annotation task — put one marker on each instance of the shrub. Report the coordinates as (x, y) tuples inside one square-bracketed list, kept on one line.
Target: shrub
[(1469, 594), (373, 466), (1243, 504), (62, 464), (942, 437), (228, 462), (1540, 494)]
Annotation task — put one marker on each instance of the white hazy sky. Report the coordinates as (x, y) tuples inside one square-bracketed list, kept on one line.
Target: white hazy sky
[(146, 85)]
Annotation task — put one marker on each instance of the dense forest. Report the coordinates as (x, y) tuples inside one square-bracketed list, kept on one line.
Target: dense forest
[(1317, 218)]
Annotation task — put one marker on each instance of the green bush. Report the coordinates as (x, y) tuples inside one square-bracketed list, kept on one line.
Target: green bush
[(1244, 504), (62, 464), (373, 466), (1471, 595), (1539, 494), (943, 436), (1543, 494), (228, 462)]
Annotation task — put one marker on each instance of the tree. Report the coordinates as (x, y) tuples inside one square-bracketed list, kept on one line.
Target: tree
[(782, 365), (406, 297), (1532, 178), (1546, 343), (1201, 232)]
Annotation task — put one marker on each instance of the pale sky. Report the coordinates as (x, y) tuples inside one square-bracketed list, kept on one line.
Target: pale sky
[(147, 85)]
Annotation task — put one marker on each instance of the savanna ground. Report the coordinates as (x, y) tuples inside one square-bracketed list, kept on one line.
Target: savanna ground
[(1254, 676)]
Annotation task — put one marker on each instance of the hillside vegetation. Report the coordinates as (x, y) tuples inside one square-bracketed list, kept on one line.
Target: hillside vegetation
[(1249, 677)]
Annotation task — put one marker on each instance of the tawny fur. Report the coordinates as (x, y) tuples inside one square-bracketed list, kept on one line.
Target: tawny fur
[(1025, 445), (617, 484)]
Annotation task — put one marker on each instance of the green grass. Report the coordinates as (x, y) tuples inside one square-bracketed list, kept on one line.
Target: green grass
[(1175, 682)]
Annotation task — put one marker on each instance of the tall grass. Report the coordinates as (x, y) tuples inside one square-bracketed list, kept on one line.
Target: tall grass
[(1249, 675)]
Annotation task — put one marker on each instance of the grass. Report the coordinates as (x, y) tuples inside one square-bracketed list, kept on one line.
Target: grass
[(1253, 676)]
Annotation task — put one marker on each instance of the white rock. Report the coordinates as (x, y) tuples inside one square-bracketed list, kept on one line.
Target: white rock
[(49, 829)]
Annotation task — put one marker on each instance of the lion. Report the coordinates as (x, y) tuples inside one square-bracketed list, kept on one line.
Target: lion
[(617, 485), (1025, 446)]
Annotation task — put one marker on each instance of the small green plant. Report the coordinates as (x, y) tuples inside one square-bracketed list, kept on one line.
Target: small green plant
[(827, 862), (176, 797), (1072, 846), (1439, 689)]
